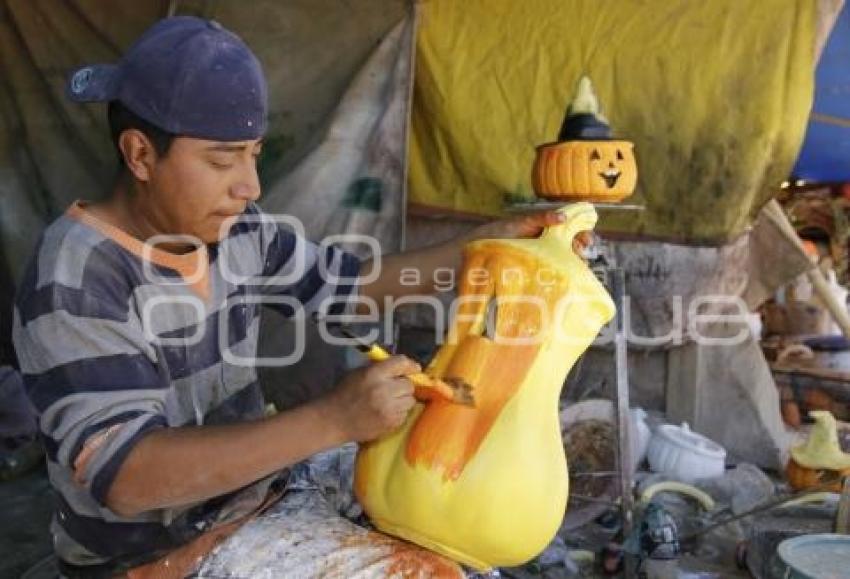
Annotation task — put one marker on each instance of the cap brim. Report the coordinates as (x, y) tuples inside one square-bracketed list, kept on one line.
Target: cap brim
[(93, 83)]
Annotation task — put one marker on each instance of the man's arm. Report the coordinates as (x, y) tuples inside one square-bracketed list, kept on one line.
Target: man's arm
[(448, 255), (178, 466)]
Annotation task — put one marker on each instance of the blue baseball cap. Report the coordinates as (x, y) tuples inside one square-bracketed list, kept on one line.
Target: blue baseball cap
[(187, 76)]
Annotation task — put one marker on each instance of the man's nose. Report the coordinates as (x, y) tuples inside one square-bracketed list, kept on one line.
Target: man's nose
[(248, 187)]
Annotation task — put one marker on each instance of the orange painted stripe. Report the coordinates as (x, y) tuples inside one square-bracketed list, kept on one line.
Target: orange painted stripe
[(447, 436)]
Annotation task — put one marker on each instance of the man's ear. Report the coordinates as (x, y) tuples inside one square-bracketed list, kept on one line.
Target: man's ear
[(139, 153)]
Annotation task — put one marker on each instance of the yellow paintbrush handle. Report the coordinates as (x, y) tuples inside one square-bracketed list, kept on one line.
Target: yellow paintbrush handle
[(377, 353), (420, 379)]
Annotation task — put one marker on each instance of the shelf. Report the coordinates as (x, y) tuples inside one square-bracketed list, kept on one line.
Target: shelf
[(550, 205)]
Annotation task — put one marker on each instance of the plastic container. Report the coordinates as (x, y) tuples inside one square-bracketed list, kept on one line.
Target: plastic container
[(840, 293), (639, 436), (686, 455), (755, 325), (820, 556)]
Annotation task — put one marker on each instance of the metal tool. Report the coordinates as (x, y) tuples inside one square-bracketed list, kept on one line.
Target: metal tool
[(602, 261), (531, 206), (764, 507), (842, 518), (450, 389)]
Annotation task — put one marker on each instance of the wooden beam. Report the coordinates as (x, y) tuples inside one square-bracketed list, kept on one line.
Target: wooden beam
[(813, 372)]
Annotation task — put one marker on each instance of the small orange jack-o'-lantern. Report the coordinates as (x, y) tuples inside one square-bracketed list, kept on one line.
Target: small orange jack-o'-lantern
[(586, 164)]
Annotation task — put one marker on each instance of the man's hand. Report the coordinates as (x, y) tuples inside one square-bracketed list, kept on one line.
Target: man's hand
[(426, 262), (530, 225), (527, 226), (373, 400), (179, 466)]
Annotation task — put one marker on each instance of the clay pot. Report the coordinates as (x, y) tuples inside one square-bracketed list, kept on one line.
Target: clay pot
[(800, 477), (817, 399), (791, 413)]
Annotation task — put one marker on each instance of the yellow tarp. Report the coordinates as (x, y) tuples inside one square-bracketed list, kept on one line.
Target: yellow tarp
[(715, 96)]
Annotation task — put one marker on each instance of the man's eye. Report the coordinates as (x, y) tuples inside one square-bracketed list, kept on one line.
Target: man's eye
[(220, 164)]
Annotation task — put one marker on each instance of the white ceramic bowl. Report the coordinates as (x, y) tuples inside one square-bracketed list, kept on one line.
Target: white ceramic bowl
[(683, 454)]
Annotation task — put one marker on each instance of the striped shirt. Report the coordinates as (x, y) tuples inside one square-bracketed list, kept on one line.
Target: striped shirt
[(116, 339)]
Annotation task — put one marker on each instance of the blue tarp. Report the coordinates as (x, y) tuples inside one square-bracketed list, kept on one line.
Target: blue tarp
[(825, 155)]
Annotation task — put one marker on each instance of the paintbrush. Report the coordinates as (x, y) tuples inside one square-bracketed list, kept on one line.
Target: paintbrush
[(453, 390)]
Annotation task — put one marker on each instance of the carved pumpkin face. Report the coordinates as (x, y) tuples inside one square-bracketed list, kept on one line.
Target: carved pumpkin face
[(602, 171)]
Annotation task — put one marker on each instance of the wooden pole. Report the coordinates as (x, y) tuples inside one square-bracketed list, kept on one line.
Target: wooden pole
[(837, 310), (842, 519)]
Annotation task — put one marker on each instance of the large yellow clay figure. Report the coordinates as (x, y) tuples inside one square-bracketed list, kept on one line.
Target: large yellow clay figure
[(487, 486)]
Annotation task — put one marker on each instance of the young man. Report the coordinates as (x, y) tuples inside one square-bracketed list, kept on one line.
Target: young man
[(136, 313)]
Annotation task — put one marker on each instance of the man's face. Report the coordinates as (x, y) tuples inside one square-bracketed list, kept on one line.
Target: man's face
[(200, 187)]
